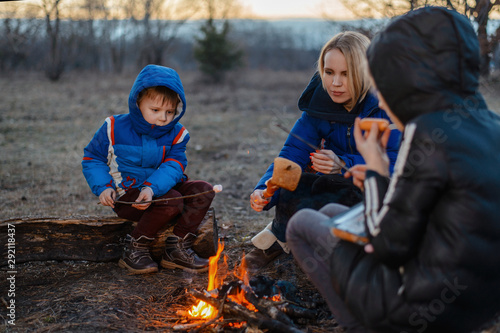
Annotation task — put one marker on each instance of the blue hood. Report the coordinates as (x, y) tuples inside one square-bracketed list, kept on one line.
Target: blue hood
[(152, 76)]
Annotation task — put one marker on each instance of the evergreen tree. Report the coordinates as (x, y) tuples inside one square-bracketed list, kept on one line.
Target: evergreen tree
[(215, 53)]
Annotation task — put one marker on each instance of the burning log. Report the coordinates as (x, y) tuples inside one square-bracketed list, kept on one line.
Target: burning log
[(205, 324), (266, 306), (255, 319), (264, 287)]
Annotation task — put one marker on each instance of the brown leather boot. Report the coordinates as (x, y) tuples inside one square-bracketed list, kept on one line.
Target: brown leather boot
[(178, 254), (258, 259), (136, 257)]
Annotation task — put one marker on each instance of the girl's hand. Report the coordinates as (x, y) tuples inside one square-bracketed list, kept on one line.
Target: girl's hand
[(107, 197), (372, 146), (326, 162), (145, 195), (257, 202), (358, 174)]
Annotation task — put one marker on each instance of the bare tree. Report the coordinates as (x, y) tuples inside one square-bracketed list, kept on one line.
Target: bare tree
[(118, 17), (481, 10), (220, 9), (19, 27), (478, 10), (276, 48), (86, 13), (52, 14), (382, 8), (158, 22)]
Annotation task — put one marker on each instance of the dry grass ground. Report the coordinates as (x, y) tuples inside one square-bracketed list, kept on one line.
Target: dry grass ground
[(45, 126)]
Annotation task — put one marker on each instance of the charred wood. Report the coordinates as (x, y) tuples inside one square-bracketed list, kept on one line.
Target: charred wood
[(255, 319), (266, 306), (295, 311)]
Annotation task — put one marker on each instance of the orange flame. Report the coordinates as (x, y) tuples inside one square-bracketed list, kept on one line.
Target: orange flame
[(240, 299), (212, 268), (202, 309), (241, 272), (275, 298)]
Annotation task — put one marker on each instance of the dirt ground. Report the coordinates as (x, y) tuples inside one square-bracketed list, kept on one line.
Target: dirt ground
[(44, 127)]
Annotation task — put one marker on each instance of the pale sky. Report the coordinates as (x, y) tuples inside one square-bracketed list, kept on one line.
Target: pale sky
[(284, 9), (279, 9)]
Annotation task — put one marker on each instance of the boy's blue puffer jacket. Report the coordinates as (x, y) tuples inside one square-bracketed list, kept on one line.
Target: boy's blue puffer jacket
[(323, 119), (128, 152)]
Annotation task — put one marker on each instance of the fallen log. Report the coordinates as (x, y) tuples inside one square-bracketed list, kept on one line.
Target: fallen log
[(85, 238)]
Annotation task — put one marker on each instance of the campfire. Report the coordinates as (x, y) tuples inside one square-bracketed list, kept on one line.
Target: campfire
[(202, 309), (256, 302)]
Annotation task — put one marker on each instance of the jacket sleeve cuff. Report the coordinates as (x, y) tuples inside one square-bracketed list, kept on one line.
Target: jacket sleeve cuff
[(101, 188), (376, 187), (152, 192)]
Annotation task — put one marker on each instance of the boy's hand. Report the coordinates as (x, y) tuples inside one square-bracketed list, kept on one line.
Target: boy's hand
[(145, 195), (326, 162), (372, 147), (257, 202), (107, 197), (358, 174)]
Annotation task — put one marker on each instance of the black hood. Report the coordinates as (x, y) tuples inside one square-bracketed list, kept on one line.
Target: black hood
[(418, 71), (316, 102)]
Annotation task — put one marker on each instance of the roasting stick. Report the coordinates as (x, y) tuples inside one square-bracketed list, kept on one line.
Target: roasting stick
[(308, 143), (216, 189)]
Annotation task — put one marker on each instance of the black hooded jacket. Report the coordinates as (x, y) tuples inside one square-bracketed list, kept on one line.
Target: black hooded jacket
[(435, 227)]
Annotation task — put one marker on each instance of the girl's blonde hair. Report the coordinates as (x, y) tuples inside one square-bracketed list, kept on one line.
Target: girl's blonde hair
[(353, 46)]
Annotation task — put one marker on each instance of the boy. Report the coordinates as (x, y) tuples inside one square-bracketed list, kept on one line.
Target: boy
[(140, 156)]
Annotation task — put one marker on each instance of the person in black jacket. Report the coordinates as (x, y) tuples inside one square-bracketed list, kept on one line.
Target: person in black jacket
[(432, 261)]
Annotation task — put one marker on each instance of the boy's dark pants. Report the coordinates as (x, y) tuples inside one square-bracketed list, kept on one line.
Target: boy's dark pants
[(187, 214), (313, 191)]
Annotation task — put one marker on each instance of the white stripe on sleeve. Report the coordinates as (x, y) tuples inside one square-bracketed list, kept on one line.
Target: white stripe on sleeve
[(374, 217)]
